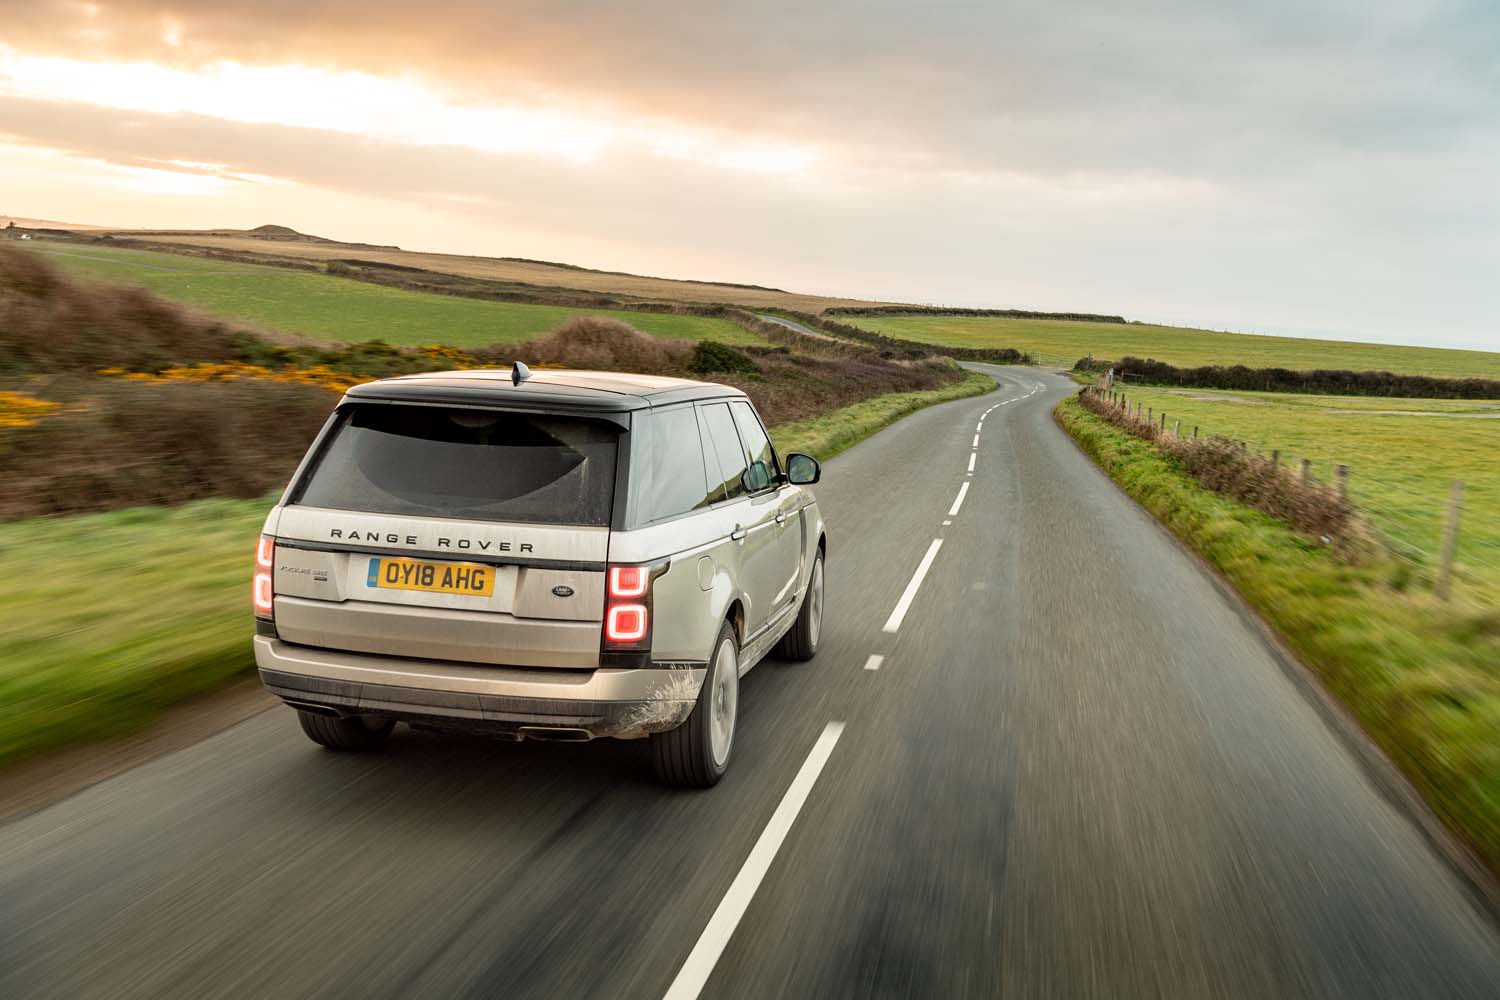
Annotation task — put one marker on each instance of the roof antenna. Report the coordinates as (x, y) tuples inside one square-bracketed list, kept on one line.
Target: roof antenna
[(519, 373)]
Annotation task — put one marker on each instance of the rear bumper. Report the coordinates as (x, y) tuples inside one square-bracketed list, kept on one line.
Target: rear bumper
[(508, 701)]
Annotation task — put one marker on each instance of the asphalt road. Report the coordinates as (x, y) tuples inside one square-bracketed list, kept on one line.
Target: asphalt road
[(1076, 772)]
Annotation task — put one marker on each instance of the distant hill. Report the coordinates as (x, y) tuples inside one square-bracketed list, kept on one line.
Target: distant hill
[(266, 233), (289, 245)]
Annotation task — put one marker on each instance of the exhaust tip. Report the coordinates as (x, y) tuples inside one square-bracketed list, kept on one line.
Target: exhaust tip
[(311, 709), (556, 734)]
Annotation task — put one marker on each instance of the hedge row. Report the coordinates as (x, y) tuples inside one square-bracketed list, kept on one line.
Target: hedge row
[(1329, 382)]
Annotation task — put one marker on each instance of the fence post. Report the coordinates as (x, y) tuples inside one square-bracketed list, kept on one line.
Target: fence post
[(1164, 421), (1341, 480), (1450, 538), (1306, 471), (1276, 457), (1149, 418), (1195, 432), (1177, 428)]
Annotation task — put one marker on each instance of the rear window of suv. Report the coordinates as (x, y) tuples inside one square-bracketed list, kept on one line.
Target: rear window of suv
[(481, 465)]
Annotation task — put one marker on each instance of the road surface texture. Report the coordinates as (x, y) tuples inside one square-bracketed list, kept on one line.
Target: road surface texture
[(1060, 765)]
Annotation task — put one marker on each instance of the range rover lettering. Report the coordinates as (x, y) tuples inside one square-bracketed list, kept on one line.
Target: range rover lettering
[(561, 555)]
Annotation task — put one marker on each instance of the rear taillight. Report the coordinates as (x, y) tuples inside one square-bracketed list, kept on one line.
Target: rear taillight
[(629, 581), (263, 592), (627, 624), (627, 613)]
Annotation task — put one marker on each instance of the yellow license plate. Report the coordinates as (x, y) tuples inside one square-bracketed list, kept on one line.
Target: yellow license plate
[(431, 577)]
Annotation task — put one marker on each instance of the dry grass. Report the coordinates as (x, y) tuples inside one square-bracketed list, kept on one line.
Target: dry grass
[(784, 386)]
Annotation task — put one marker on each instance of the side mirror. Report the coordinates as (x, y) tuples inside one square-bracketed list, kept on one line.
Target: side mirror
[(802, 470)]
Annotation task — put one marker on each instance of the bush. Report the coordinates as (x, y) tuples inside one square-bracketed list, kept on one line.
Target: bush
[(52, 323), (120, 443), (710, 356), (595, 343)]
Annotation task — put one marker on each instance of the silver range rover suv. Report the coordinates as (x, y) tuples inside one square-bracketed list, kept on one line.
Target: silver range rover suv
[(561, 555)]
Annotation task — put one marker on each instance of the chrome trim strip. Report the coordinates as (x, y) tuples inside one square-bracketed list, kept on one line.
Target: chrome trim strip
[(452, 556)]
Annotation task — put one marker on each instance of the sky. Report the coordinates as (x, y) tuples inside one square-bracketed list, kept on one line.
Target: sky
[(1312, 167)]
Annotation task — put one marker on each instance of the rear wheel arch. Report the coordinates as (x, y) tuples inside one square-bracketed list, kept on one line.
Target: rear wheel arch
[(735, 616)]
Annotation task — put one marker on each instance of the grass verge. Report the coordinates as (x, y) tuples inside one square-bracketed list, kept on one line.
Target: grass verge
[(110, 618), (1419, 675), (1402, 454)]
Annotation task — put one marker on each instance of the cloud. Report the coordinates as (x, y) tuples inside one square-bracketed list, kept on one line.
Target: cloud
[(1163, 85), (1325, 165)]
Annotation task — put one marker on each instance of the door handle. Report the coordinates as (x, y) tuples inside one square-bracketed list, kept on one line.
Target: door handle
[(780, 517), (738, 534)]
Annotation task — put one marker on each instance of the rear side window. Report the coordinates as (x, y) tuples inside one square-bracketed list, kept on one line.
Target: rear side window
[(762, 456), (482, 465), (666, 466), (724, 444)]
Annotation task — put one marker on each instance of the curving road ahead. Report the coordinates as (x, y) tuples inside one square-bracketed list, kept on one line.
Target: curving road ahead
[(1059, 765)]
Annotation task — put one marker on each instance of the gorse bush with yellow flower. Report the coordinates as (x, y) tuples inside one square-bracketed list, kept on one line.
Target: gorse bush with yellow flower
[(17, 409)]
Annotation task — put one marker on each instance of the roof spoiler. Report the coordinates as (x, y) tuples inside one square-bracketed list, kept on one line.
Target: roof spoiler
[(519, 373)]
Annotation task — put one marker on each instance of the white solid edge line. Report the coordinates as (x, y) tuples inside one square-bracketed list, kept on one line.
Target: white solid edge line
[(972, 456), (874, 662), (720, 928), (958, 501), (898, 614)]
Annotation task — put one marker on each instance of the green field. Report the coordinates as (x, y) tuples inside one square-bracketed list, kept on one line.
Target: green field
[(1069, 341), (1420, 675), (1402, 455), (329, 308), (111, 617)]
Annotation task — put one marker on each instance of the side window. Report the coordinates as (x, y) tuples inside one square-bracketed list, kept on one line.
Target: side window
[(763, 470), (666, 466), (724, 442)]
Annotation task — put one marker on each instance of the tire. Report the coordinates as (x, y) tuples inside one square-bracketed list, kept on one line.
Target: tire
[(696, 754), (801, 643), (355, 732)]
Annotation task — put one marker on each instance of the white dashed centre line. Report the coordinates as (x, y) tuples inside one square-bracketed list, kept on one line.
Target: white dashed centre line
[(705, 954), (874, 662), (976, 440), (958, 501), (972, 456), (898, 615)]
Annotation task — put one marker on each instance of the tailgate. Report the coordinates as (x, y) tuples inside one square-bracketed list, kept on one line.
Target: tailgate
[(482, 592)]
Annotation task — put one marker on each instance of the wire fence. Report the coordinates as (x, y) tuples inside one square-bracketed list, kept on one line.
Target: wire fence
[(1433, 531)]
